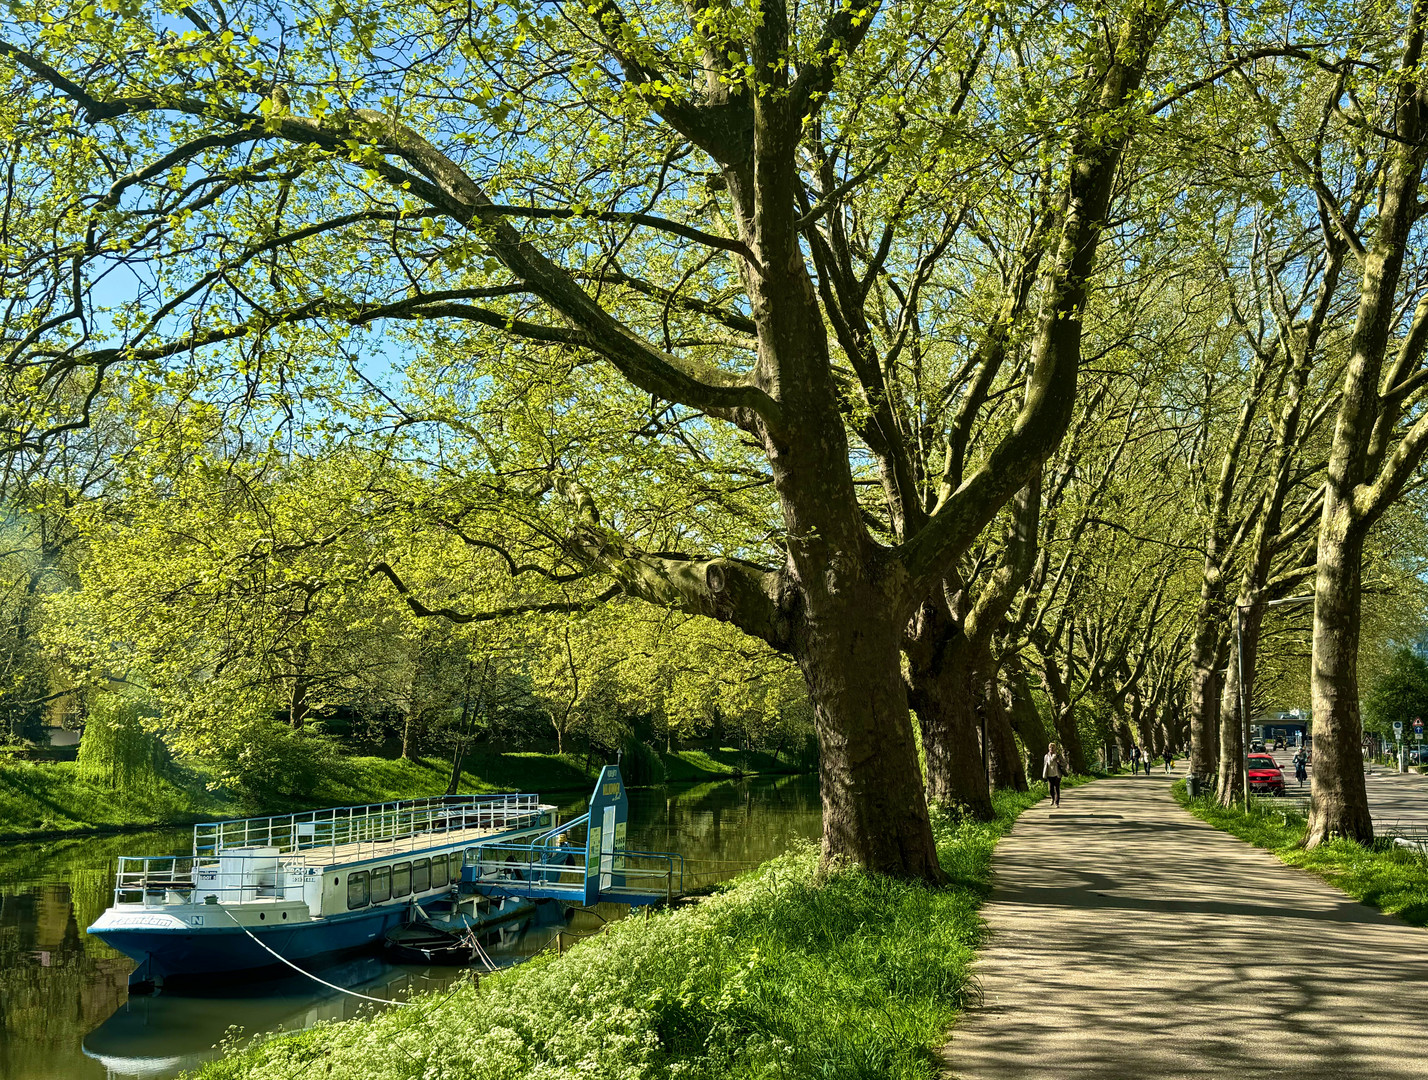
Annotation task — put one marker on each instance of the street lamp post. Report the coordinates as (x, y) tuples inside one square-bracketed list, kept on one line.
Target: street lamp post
[(1244, 694)]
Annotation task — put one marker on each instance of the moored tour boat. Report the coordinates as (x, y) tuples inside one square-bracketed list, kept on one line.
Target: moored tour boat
[(266, 891)]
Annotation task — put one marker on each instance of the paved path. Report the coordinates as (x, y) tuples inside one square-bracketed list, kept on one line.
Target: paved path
[(1131, 941), (1397, 798)]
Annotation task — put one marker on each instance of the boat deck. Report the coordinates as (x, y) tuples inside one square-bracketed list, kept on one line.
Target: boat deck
[(364, 850), (242, 859)]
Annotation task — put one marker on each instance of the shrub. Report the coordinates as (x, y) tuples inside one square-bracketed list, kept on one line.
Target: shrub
[(265, 760)]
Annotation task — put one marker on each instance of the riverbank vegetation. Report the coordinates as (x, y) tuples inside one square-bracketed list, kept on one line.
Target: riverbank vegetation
[(785, 972), (57, 798), (1381, 874)]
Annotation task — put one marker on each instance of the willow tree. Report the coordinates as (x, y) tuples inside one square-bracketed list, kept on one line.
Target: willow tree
[(210, 183)]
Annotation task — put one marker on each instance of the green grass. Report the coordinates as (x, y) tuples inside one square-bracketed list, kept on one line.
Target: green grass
[(49, 799), (691, 766), (785, 972), (1385, 876)]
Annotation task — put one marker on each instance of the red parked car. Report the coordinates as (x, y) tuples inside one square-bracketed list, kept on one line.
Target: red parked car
[(1264, 775)]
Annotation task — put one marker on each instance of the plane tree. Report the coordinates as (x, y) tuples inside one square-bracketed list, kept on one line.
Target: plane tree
[(1345, 134), (229, 180)]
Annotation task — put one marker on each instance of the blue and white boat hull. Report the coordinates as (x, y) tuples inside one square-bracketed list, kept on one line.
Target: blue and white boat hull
[(168, 947)]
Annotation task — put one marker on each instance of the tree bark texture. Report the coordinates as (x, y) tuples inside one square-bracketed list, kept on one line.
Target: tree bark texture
[(874, 808), (1021, 708), (1206, 654), (1338, 796), (1125, 738), (1232, 777), (1063, 719), (1003, 755), (941, 692)]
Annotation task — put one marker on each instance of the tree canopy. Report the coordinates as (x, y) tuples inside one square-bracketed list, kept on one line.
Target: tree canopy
[(988, 361)]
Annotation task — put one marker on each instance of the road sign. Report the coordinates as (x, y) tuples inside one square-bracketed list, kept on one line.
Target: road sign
[(1398, 725), (1417, 727)]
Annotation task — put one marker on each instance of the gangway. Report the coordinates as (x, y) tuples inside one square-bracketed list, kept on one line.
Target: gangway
[(552, 867)]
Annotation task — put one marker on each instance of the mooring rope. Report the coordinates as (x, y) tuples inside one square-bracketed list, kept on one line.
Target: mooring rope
[(310, 975)]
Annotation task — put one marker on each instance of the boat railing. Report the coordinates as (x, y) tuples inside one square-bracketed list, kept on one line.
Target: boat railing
[(165, 880), (373, 824), (550, 864), (667, 871), (527, 862)]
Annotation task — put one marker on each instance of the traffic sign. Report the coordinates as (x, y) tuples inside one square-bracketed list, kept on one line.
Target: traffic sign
[(1398, 725), (1418, 727)]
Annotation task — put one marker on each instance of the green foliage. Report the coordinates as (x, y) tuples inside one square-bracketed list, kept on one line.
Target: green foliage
[(640, 763), (31, 567), (267, 761), (786, 973), (1399, 692), (117, 750), (1386, 876)]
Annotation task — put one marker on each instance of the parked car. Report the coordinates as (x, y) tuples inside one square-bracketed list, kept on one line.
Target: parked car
[(1264, 775)]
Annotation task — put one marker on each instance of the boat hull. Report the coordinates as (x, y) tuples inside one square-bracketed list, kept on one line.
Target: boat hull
[(170, 953)]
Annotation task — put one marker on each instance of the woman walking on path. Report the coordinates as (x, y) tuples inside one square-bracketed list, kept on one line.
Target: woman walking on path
[(1168, 759), (1053, 769)]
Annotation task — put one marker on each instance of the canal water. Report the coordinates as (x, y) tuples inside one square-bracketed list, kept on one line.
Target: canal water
[(65, 1012)]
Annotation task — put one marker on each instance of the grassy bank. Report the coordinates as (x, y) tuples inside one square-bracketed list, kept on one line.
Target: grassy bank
[(783, 973), (1385, 876), (48, 798), (41, 799)]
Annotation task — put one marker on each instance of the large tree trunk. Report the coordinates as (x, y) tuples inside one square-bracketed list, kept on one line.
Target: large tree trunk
[(1125, 739), (1205, 653), (949, 642), (940, 691), (1339, 799), (1063, 711), (874, 809), (1366, 471), (1003, 756), (1021, 708), (1232, 777)]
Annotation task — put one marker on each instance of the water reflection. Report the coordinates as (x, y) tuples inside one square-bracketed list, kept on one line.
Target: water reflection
[(65, 1013), (159, 1035)]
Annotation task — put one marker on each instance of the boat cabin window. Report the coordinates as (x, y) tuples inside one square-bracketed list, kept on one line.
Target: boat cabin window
[(438, 870), (381, 884), (421, 875), (357, 890), (401, 879)]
